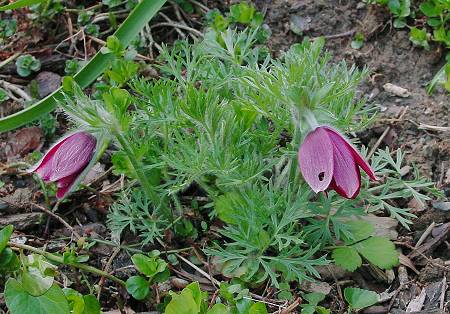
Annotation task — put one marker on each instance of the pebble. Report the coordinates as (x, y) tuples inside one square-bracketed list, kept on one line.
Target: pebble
[(444, 206), (4, 206)]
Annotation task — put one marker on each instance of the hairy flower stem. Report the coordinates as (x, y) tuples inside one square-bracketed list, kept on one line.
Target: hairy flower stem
[(58, 259), (137, 167), (310, 119)]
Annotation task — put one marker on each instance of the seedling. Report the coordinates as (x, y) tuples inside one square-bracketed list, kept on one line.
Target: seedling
[(26, 64)]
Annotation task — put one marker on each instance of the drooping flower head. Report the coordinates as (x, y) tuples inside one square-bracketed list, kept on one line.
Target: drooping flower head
[(328, 161), (66, 160)]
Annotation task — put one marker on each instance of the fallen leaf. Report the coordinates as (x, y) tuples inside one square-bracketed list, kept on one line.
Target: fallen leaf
[(22, 142)]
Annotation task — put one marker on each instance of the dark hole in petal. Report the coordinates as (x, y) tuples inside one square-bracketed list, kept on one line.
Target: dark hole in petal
[(321, 176)]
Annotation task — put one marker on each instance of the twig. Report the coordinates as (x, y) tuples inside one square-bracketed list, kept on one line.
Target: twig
[(16, 90), (386, 131), (175, 25), (443, 290), (8, 60), (339, 35), (201, 271), (60, 260), (423, 126), (106, 269), (425, 234), (50, 213), (183, 35), (291, 307), (101, 42), (200, 5)]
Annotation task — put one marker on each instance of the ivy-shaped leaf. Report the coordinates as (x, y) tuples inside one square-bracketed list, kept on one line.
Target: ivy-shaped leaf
[(19, 301), (360, 298)]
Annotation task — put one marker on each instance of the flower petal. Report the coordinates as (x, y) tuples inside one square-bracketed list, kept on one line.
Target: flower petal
[(360, 161), (346, 176), (72, 155), (44, 166), (65, 184), (315, 159)]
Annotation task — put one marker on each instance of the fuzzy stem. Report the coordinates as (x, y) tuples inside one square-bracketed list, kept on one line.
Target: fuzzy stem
[(137, 167), (58, 259), (310, 118)]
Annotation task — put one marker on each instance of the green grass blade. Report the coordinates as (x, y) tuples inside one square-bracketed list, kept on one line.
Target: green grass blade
[(19, 4), (137, 19)]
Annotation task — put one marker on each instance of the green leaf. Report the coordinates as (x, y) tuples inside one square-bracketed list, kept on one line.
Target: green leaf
[(379, 251), (347, 257), (19, 301), (149, 266), (91, 305), (75, 299), (360, 230), (137, 19), (360, 298), (138, 287), (35, 283), (258, 308), (187, 301), (430, 9), (419, 37), (314, 298), (19, 4), (218, 309), (9, 261), (5, 234)]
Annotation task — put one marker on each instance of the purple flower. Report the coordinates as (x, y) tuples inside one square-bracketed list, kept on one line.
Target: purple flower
[(328, 161), (66, 160)]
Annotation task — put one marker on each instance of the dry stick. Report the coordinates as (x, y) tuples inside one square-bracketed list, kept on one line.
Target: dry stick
[(60, 260), (339, 35), (106, 269), (423, 126), (213, 280), (200, 5), (15, 89), (425, 234), (50, 213), (291, 307), (8, 60), (185, 27), (444, 289), (386, 131), (183, 35), (101, 42)]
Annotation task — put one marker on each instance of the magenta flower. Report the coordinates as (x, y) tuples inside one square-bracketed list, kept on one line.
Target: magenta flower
[(328, 161), (66, 160)]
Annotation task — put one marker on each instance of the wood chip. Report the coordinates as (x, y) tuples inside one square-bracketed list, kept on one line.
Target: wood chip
[(396, 90)]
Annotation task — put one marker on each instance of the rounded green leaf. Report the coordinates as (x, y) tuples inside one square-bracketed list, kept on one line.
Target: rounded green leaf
[(138, 287), (19, 301), (8, 260), (360, 298), (379, 251), (218, 309), (258, 308), (91, 305), (347, 257), (5, 234), (35, 283)]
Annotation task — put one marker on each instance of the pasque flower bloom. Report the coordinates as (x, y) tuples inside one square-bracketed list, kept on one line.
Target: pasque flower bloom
[(328, 161), (66, 160)]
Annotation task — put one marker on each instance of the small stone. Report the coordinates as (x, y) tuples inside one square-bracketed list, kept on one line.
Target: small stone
[(47, 82), (3, 206), (299, 24), (444, 206)]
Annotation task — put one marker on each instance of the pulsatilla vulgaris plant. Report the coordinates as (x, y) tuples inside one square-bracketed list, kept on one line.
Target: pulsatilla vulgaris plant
[(227, 121)]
